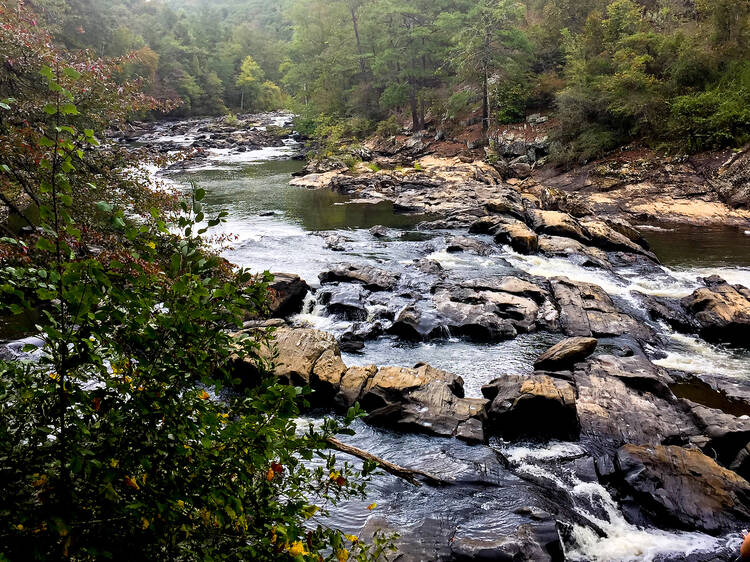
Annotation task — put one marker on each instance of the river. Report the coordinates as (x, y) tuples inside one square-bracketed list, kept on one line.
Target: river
[(280, 228)]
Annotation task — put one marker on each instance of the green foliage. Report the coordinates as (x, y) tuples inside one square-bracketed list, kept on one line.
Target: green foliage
[(388, 127), (717, 117), (119, 440), (511, 101)]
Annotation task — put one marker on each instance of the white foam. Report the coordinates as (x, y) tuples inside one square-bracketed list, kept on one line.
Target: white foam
[(694, 355)]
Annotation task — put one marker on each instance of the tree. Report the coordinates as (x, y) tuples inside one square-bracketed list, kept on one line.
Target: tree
[(250, 82), (490, 46)]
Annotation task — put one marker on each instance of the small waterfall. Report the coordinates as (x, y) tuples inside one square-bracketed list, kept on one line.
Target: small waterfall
[(623, 541)]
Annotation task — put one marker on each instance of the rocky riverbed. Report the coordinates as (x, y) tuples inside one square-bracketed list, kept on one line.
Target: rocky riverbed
[(513, 336)]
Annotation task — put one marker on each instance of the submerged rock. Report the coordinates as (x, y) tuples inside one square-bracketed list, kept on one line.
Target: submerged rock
[(684, 488)]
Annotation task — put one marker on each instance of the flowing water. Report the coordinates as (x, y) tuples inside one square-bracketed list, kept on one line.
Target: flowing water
[(281, 228)]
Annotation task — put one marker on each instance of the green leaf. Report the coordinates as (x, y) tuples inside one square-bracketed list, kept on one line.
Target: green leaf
[(104, 207), (69, 109), (200, 193), (45, 244), (72, 73), (50, 109)]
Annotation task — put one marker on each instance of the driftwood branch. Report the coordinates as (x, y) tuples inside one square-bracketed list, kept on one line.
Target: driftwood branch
[(408, 474)]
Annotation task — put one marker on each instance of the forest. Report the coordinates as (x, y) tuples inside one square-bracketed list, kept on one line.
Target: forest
[(670, 73), (374, 280)]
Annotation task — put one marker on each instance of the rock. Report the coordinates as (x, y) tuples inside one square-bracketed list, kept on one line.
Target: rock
[(508, 284), (352, 383), (566, 353), (538, 407), (423, 399), (587, 310), (557, 223), (722, 311), (465, 244), (286, 294), (539, 542), (346, 300), (605, 237), (298, 352), (626, 229), (478, 320), (506, 202), (418, 322), (574, 251), (372, 278), (516, 234), (520, 170), (614, 411), (684, 488), (728, 436), (379, 231)]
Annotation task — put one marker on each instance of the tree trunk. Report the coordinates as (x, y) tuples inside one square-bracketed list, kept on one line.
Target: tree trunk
[(242, 101), (414, 109), (359, 44), (485, 102)]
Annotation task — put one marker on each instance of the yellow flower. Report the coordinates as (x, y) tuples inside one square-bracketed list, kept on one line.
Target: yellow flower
[(19, 527), (54, 376), (334, 475), (146, 523), (40, 480), (204, 395), (342, 555), (352, 538), (114, 463), (372, 506), (297, 549), (180, 504), (151, 245)]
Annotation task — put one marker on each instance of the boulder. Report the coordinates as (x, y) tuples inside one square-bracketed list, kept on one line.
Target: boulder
[(298, 351), (684, 488), (477, 319), (509, 284), (727, 436), (346, 300), (423, 399), (373, 278), (566, 353), (574, 251), (537, 407), (607, 238), (721, 310), (286, 294), (517, 235), (557, 223), (460, 244), (418, 322)]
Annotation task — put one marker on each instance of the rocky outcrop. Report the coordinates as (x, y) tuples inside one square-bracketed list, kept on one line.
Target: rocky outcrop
[(721, 311), (684, 487), (537, 407), (421, 399), (556, 223), (286, 294), (565, 354), (627, 400), (724, 437), (587, 310)]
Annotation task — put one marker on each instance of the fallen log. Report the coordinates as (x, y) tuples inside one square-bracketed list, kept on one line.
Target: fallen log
[(408, 474)]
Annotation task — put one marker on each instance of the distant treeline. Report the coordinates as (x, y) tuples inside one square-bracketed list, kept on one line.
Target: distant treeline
[(669, 72)]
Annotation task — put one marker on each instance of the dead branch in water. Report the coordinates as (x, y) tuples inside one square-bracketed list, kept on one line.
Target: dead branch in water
[(408, 474)]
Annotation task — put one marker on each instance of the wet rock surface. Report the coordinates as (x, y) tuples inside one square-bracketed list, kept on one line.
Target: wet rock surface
[(684, 487)]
